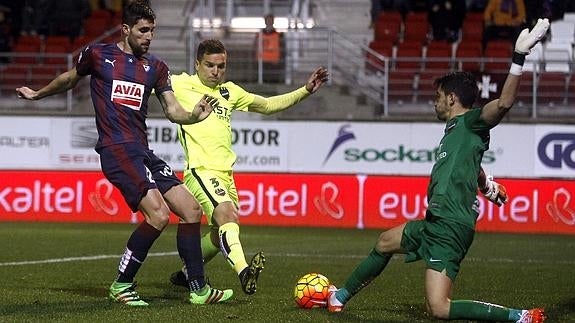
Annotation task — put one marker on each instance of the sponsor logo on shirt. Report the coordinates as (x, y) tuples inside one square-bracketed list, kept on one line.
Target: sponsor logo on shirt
[(127, 94)]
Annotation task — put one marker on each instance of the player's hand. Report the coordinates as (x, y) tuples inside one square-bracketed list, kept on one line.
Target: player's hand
[(527, 39), (317, 79), (204, 107), (26, 93), (494, 191)]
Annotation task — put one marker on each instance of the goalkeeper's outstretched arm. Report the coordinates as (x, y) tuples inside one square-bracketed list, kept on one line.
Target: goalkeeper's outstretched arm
[(495, 110)]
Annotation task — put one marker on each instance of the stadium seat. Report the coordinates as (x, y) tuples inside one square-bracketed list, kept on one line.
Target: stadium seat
[(563, 31), (438, 56), (96, 26), (425, 87), (468, 56), (558, 57), (417, 31), (387, 30), (534, 59), (42, 74), (25, 53), (33, 40), (552, 87), (401, 86), (80, 42), (13, 76), (58, 40), (384, 48), (408, 56), (56, 54), (472, 28), (497, 55), (102, 14)]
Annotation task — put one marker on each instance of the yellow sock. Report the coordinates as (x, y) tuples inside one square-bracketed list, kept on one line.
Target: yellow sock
[(231, 246), (209, 251)]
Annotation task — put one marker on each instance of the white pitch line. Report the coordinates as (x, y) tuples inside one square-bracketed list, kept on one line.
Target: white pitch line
[(290, 255)]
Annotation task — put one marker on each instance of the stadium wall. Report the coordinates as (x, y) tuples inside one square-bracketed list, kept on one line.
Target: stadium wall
[(328, 174)]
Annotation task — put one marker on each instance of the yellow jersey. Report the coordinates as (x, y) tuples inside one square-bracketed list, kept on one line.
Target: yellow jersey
[(208, 143)]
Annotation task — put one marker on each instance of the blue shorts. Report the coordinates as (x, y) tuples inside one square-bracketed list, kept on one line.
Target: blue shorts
[(134, 169)]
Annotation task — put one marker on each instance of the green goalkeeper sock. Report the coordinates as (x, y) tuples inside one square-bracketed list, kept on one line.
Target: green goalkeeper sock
[(363, 274), (475, 310)]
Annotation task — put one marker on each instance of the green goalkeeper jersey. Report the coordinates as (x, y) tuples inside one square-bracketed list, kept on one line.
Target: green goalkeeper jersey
[(209, 143), (452, 191)]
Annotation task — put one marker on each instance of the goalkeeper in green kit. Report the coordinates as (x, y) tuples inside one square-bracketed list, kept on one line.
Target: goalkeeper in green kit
[(445, 235)]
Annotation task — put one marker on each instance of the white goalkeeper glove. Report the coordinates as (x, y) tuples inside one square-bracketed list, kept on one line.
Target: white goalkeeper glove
[(494, 191), (527, 39)]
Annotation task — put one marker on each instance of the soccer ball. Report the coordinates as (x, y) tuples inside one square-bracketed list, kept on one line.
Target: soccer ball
[(311, 291)]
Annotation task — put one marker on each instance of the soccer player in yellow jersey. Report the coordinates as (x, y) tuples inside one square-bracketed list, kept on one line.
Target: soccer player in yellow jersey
[(209, 155)]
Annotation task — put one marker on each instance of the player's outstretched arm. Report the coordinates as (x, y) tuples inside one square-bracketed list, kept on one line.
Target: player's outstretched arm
[(495, 110), (177, 114), (281, 102), (61, 83)]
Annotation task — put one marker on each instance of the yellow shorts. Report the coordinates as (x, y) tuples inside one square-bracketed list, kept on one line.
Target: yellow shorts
[(211, 187)]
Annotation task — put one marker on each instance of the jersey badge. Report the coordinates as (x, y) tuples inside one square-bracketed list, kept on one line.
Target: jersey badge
[(128, 94), (225, 93)]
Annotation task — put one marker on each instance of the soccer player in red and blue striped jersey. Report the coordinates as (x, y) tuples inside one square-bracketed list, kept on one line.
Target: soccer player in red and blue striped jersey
[(123, 76)]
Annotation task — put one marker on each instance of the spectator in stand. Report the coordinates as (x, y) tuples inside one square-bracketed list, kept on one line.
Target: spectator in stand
[(271, 50), (535, 9), (34, 17), (446, 18), (379, 6), (4, 33), (66, 17), (476, 5), (503, 19)]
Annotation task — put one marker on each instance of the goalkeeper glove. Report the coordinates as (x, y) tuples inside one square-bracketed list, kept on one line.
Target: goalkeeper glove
[(494, 191), (527, 39)]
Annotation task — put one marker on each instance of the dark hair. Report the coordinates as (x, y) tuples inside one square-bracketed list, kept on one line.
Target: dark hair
[(209, 46), (463, 84), (136, 10)]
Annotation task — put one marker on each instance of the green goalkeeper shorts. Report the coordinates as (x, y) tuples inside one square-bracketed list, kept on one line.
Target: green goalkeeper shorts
[(442, 244)]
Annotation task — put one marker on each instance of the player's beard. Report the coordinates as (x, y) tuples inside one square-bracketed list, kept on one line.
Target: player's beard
[(138, 49)]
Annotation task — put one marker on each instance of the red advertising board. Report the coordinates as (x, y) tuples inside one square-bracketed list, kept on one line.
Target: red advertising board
[(344, 201)]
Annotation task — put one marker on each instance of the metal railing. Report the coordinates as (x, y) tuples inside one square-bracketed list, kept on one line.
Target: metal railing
[(394, 86)]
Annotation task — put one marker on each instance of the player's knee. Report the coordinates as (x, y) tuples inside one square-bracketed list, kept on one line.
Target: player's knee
[(384, 243), (160, 217)]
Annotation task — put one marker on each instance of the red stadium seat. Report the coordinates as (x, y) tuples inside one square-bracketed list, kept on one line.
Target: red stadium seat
[(497, 55), (25, 53), (58, 40), (41, 74), (33, 40), (401, 86), (468, 56), (56, 49), (13, 76), (552, 87), (438, 55), (384, 48), (408, 56), (425, 87), (387, 30), (416, 31)]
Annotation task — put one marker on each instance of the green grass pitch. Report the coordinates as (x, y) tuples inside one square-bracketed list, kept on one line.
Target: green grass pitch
[(61, 273)]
